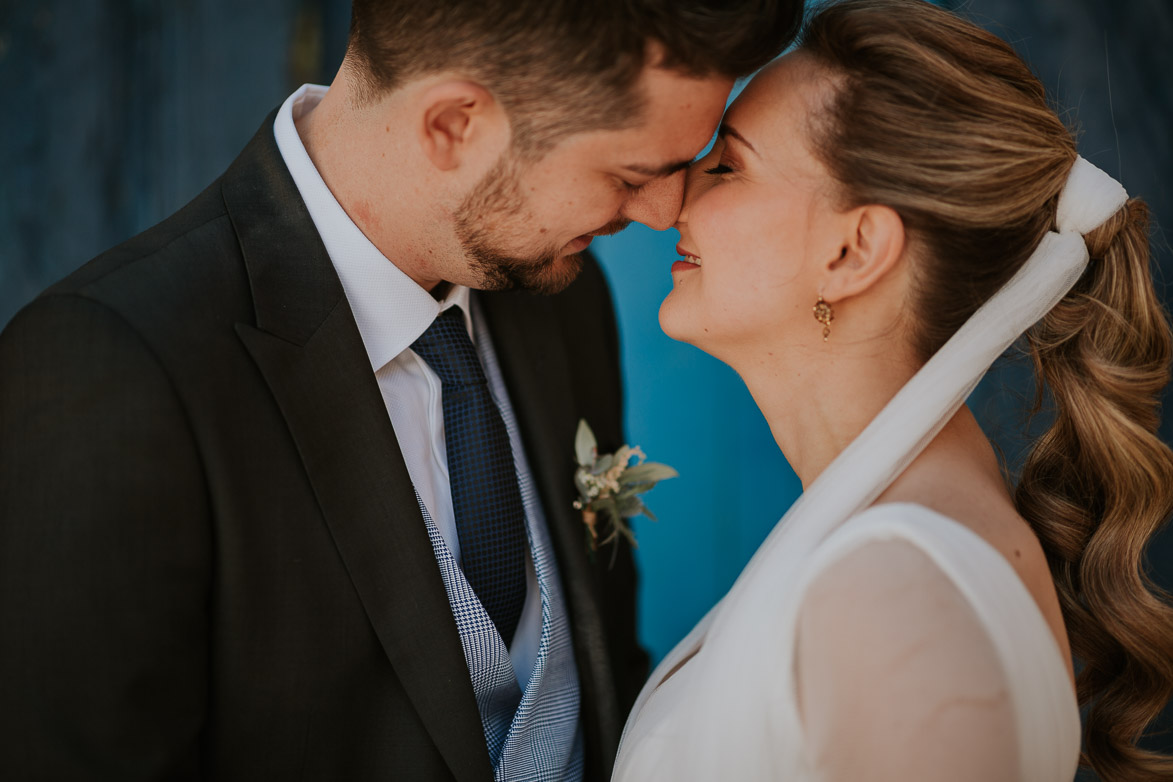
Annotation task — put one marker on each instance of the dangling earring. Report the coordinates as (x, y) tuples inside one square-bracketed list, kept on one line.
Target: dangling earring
[(824, 314)]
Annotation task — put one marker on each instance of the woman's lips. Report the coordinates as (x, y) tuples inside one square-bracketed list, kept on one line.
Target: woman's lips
[(579, 243), (687, 262)]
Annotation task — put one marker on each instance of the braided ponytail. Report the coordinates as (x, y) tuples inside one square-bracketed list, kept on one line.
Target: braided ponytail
[(1099, 483)]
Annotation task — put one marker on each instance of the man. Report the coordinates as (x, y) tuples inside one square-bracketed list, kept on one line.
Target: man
[(279, 497)]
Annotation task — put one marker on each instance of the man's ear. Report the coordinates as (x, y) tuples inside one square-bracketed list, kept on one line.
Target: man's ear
[(460, 120), (872, 244)]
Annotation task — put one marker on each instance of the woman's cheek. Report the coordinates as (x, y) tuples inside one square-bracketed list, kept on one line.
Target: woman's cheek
[(727, 215)]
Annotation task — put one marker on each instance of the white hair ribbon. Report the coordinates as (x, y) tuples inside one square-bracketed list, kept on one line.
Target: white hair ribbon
[(1088, 199)]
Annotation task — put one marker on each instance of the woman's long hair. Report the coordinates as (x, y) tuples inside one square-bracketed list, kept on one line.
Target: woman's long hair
[(943, 122)]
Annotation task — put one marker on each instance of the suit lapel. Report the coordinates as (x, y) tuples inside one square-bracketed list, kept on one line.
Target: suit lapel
[(307, 346), (531, 350)]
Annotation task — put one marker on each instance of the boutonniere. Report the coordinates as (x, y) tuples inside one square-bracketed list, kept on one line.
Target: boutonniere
[(610, 484)]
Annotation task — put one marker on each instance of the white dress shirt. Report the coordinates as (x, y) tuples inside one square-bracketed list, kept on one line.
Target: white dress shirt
[(392, 311)]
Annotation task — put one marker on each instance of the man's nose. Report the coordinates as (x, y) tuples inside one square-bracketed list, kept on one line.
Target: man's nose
[(657, 203)]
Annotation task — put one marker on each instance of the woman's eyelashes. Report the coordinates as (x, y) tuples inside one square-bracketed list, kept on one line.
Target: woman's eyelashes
[(718, 169)]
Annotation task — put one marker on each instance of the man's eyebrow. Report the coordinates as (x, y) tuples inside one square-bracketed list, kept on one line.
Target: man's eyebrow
[(729, 130), (668, 169)]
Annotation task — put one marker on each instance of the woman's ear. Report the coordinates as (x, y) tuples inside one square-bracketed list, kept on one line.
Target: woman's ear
[(872, 245), (459, 122)]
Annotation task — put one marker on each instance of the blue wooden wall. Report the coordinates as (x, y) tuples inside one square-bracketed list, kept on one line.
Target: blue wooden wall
[(117, 112)]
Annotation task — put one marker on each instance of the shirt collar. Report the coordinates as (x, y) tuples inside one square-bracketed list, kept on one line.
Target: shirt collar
[(390, 309)]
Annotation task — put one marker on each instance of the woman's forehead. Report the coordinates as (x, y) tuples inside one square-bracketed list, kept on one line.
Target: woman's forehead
[(788, 87), (773, 110)]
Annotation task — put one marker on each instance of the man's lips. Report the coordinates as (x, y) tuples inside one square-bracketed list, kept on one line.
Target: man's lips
[(580, 243), (613, 227)]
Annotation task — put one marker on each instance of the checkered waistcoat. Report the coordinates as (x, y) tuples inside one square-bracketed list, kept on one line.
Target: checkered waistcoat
[(542, 739)]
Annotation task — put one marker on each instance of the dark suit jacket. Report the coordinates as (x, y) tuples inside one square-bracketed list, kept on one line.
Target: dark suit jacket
[(212, 561)]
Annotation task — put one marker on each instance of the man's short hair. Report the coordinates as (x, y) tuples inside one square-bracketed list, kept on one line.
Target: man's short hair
[(562, 66)]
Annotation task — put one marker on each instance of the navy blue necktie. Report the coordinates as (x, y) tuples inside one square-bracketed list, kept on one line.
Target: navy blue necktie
[(490, 517)]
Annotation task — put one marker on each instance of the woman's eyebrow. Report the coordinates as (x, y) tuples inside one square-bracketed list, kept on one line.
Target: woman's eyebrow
[(728, 130)]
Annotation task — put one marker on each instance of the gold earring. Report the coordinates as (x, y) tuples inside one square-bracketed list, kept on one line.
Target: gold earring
[(824, 314)]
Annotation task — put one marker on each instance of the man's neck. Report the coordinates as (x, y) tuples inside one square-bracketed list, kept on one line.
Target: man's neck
[(347, 158), (441, 290)]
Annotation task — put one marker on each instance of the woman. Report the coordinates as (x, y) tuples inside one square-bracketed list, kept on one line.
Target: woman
[(902, 177)]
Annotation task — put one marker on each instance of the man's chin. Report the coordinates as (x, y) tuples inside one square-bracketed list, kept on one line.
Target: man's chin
[(553, 277), (546, 276)]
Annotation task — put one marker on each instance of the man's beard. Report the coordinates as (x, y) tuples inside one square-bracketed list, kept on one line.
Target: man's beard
[(497, 200)]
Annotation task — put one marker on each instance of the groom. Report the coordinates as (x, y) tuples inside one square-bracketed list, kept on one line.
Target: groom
[(286, 481)]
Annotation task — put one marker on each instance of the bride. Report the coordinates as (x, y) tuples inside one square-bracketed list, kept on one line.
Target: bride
[(901, 178)]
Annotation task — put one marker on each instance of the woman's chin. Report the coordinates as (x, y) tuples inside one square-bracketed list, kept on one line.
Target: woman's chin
[(675, 320)]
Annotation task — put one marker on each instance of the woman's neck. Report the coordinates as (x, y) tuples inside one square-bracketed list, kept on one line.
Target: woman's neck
[(817, 404)]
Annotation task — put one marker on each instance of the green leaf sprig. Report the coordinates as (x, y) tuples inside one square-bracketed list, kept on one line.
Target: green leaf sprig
[(610, 484)]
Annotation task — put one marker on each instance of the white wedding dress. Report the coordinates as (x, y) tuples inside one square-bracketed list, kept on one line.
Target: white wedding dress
[(947, 624), (940, 616)]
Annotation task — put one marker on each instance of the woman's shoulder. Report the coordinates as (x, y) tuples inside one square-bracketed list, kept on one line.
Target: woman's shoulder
[(904, 558), (900, 533), (990, 563), (888, 648), (974, 539), (910, 521), (925, 622), (937, 536), (908, 546)]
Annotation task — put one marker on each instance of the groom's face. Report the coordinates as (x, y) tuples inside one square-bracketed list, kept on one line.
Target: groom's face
[(524, 224)]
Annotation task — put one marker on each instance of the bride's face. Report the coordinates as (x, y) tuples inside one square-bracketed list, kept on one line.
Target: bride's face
[(759, 221)]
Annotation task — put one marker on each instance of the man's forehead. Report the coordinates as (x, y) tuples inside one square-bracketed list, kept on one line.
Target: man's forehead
[(649, 150), (681, 114), (677, 122), (664, 150)]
